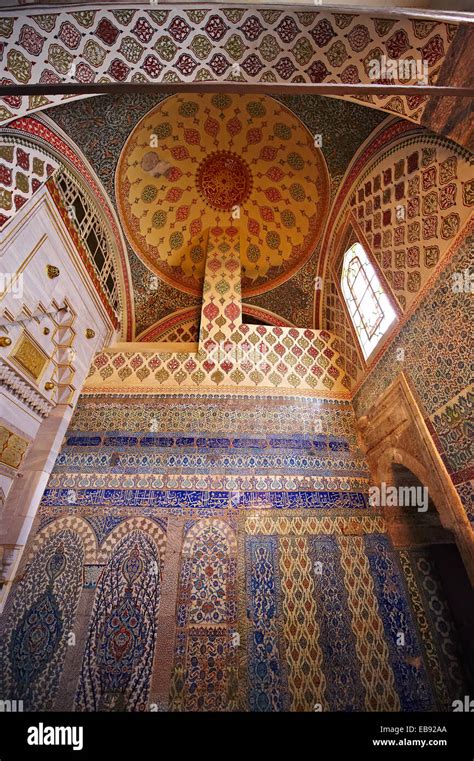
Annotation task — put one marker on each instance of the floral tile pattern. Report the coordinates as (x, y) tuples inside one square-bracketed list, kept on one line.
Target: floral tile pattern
[(219, 44)]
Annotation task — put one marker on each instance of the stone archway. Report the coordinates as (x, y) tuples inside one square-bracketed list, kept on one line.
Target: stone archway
[(394, 433), (397, 457)]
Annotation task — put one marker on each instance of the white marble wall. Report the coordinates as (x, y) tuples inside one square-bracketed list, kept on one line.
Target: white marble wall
[(56, 315)]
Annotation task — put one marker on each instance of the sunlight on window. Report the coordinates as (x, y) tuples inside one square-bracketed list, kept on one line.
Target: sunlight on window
[(369, 307)]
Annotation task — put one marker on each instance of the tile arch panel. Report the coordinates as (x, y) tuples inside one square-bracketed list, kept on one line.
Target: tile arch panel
[(149, 527), (42, 614), (412, 194), (118, 657), (80, 526), (205, 664), (196, 529)]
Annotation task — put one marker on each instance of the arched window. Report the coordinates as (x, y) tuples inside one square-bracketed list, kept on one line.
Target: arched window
[(368, 304)]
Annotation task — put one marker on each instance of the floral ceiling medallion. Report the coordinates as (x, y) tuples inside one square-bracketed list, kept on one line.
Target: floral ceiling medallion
[(196, 163), (224, 180)]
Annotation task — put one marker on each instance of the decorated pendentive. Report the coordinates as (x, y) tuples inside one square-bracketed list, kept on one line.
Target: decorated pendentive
[(197, 161)]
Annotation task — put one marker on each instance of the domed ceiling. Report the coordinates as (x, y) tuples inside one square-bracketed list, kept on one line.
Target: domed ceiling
[(195, 161), (102, 126)]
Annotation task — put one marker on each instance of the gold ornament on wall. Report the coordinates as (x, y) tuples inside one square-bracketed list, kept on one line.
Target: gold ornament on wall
[(30, 357), (5, 341), (90, 333), (49, 385), (52, 271), (12, 447)]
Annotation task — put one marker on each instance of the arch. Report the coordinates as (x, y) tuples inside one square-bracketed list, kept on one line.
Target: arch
[(148, 526), (200, 525), (74, 523), (187, 319), (426, 476), (395, 431), (118, 656), (396, 455), (164, 330), (396, 154), (385, 135), (41, 618)]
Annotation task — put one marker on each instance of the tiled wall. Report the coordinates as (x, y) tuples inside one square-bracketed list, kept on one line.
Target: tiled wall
[(437, 344), (227, 560)]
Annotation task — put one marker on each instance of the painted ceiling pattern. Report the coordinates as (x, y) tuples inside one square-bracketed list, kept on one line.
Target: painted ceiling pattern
[(200, 160), (219, 44), (23, 169), (100, 127)]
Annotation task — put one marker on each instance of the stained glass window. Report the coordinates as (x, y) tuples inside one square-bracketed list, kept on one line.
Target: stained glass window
[(368, 304)]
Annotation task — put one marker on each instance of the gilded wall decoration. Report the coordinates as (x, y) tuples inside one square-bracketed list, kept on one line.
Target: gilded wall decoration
[(12, 447), (30, 357)]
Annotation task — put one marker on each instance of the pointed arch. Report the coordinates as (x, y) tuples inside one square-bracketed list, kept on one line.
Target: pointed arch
[(118, 656), (77, 525), (41, 619), (148, 526), (197, 528)]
